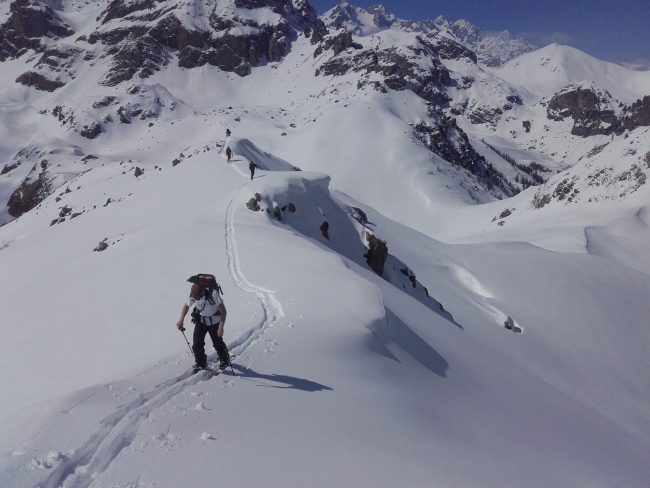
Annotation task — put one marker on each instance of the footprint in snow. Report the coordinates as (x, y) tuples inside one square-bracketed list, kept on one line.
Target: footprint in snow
[(165, 439)]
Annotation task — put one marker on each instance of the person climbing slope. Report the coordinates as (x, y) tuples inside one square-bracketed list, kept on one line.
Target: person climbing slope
[(208, 316), (252, 167)]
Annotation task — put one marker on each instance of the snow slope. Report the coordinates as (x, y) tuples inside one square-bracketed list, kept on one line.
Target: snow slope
[(549, 69), (342, 377), (335, 365)]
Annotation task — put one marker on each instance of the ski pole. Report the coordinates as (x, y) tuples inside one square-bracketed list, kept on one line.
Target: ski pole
[(188, 342)]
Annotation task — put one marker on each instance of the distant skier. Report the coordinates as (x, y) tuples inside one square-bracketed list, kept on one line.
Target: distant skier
[(228, 153), (252, 167), (209, 317), (228, 132)]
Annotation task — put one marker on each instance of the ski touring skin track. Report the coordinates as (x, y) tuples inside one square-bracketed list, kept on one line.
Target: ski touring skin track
[(271, 306), (118, 430)]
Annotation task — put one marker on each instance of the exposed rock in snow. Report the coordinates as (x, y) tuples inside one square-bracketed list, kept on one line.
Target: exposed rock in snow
[(593, 111), (31, 24), (32, 191)]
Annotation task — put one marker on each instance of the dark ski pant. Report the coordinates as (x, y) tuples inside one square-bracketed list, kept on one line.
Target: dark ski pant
[(198, 344)]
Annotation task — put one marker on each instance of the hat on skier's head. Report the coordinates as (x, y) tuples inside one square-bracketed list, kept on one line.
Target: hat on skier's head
[(204, 279)]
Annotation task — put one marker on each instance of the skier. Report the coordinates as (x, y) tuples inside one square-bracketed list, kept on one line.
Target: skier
[(228, 153), (209, 317), (228, 132), (252, 167)]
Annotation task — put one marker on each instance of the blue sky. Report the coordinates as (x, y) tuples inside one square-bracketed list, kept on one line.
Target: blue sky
[(615, 30)]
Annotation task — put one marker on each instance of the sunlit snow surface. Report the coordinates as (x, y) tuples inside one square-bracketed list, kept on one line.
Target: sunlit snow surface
[(342, 378)]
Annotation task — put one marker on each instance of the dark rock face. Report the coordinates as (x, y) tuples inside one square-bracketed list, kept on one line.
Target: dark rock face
[(346, 15), (38, 81), (9, 167), (637, 114), (590, 111), (316, 32), (142, 56), (337, 43), (377, 254), (58, 58), (449, 49), (157, 34), (484, 115), (118, 9), (32, 191), (515, 99), (444, 138), (28, 23), (91, 131), (400, 69), (104, 102)]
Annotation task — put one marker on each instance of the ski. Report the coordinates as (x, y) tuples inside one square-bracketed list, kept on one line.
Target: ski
[(214, 371)]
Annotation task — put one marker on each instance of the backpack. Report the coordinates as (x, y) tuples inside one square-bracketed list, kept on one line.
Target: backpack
[(210, 283)]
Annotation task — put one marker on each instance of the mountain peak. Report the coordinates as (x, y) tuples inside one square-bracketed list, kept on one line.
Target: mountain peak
[(358, 20), (551, 68), (492, 49)]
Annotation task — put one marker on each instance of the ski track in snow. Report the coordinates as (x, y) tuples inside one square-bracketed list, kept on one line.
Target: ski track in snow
[(119, 430), (272, 308)]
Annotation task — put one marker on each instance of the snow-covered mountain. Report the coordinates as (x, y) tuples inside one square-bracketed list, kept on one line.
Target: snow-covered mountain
[(492, 49), (548, 70), (410, 202)]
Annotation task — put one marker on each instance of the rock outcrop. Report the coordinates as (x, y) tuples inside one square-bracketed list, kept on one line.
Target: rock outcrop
[(417, 68), (637, 114), (157, 34), (32, 191), (377, 253), (595, 112), (592, 110), (29, 22), (442, 136)]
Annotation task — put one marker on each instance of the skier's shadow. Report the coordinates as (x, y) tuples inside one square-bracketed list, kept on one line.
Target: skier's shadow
[(287, 381)]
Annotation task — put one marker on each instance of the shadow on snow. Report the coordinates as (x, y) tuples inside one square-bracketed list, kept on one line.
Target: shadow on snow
[(284, 380)]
